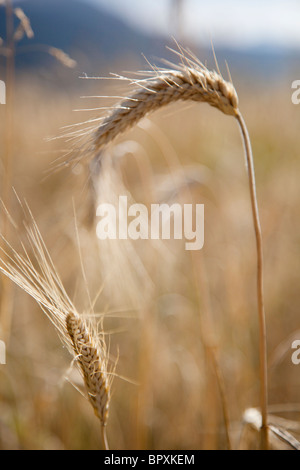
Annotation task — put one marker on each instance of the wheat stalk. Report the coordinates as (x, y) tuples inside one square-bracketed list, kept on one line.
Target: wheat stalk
[(35, 273), (190, 80)]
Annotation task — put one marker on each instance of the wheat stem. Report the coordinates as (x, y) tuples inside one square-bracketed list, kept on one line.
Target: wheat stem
[(104, 437), (260, 290), (6, 300)]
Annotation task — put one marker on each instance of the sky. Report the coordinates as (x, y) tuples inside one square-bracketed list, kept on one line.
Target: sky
[(234, 23)]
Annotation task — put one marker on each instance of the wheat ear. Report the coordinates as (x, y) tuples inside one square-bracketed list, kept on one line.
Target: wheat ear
[(195, 84), (35, 273), (190, 80), (93, 365)]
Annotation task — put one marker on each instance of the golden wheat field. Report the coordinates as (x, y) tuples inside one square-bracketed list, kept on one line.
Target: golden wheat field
[(178, 330)]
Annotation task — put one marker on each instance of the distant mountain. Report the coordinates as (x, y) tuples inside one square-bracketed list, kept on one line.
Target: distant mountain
[(96, 38)]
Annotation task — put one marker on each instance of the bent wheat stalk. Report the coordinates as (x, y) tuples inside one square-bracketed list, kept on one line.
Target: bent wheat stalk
[(167, 87), (35, 273), (190, 80)]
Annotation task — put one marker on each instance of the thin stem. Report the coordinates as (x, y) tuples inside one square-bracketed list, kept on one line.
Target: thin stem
[(104, 438), (10, 76), (260, 293), (207, 331), (6, 297), (224, 404)]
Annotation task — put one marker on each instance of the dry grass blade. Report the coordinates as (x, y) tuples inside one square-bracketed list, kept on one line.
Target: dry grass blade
[(62, 57), (279, 435), (24, 26)]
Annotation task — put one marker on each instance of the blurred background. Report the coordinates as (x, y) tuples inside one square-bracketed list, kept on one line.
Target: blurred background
[(185, 326)]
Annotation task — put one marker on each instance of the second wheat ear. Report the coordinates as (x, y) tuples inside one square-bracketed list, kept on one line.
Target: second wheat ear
[(91, 361), (190, 80), (35, 273)]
